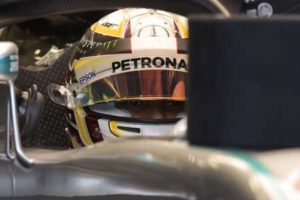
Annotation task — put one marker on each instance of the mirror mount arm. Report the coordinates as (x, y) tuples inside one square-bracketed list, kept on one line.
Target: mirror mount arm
[(9, 68), (8, 132), (15, 125)]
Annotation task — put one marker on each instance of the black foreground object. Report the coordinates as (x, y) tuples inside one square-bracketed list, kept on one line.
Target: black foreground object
[(20, 10), (244, 82)]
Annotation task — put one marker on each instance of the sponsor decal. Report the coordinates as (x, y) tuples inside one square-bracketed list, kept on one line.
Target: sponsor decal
[(14, 63), (93, 68), (164, 63), (109, 25), (86, 43), (87, 77)]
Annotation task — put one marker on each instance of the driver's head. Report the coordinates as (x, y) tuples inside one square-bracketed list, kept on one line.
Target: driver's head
[(128, 76)]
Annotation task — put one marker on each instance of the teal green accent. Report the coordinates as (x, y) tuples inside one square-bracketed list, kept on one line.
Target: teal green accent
[(5, 65), (254, 163), (258, 167)]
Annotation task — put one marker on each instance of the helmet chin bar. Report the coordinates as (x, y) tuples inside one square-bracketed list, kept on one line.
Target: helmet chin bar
[(129, 119), (116, 126)]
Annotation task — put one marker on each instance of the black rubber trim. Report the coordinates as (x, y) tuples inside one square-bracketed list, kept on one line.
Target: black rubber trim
[(131, 129), (128, 119), (13, 11)]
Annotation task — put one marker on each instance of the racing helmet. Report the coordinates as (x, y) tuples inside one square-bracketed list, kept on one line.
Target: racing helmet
[(131, 61)]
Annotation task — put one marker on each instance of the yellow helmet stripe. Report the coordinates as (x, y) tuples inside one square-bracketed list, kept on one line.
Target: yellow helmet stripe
[(74, 142), (89, 62), (79, 63), (183, 29), (113, 125), (79, 117)]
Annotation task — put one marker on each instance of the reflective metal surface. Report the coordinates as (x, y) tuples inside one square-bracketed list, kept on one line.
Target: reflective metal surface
[(136, 167), (15, 126)]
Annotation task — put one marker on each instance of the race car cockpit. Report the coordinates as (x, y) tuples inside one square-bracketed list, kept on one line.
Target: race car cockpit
[(231, 108)]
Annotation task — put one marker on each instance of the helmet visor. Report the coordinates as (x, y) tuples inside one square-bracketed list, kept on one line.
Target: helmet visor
[(136, 85)]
